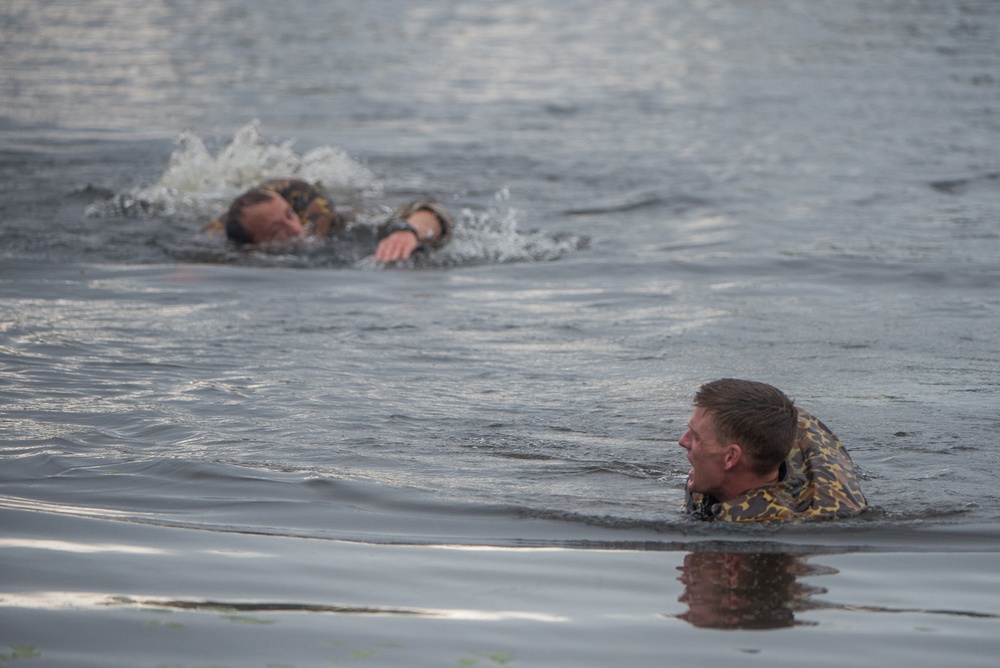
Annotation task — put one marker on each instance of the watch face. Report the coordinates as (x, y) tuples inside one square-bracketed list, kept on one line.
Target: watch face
[(402, 225)]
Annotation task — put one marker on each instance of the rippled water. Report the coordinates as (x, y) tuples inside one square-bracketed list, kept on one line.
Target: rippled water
[(471, 459)]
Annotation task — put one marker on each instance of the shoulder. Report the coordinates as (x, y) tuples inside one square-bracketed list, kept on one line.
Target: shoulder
[(816, 441), (811, 428), (822, 474)]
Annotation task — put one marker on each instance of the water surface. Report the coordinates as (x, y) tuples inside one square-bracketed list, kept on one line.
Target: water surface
[(301, 458)]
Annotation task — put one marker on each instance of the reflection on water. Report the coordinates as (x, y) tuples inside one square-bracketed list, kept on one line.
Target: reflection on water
[(746, 590)]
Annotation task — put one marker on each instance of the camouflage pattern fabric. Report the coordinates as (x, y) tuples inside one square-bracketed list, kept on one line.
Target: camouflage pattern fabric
[(310, 203), (818, 482)]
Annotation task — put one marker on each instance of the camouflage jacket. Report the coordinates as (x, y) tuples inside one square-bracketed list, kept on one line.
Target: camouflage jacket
[(816, 482)]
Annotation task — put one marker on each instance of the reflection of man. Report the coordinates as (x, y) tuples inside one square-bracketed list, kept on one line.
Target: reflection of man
[(755, 457), (734, 590), (287, 208)]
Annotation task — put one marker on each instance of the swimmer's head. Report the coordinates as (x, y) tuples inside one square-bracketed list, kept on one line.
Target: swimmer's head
[(259, 215)]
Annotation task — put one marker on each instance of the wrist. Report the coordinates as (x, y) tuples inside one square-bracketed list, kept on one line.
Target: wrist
[(403, 226)]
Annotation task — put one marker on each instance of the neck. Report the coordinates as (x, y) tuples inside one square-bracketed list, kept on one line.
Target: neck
[(749, 481)]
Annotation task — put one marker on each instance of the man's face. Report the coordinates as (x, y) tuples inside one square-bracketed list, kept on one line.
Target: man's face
[(706, 454), (272, 220)]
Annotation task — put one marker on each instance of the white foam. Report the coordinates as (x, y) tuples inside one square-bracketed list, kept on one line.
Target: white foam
[(200, 184), (492, 236)]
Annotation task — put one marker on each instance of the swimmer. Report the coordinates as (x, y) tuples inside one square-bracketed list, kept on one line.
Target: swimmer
[(289, 208), (756, 457)]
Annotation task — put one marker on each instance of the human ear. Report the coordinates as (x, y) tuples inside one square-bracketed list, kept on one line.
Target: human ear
[(734, 455)]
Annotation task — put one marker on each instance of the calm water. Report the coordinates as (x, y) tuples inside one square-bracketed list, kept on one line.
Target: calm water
[(300, 458)]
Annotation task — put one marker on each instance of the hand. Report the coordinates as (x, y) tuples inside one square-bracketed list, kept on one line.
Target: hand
[(397, 246)]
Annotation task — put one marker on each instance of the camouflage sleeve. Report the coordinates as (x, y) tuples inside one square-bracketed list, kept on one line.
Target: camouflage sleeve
[(833, 489)]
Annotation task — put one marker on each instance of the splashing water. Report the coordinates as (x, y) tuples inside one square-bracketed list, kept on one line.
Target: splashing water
[(492, 237), (197, 185), (200, 184)]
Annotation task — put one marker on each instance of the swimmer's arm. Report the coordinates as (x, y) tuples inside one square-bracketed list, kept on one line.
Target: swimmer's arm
[(400, 244)]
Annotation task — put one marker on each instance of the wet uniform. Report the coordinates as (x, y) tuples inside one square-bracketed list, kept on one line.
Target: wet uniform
[(817, 481), (319, 216)]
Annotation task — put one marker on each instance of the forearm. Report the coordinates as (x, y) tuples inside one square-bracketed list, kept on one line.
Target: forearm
[(426, 225), (406, 236), (416, 225), (443, 219)]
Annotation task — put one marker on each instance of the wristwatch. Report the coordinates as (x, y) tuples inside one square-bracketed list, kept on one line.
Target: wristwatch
[(403, 226)]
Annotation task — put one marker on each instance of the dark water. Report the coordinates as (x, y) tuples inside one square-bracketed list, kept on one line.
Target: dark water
[(300, 458)]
